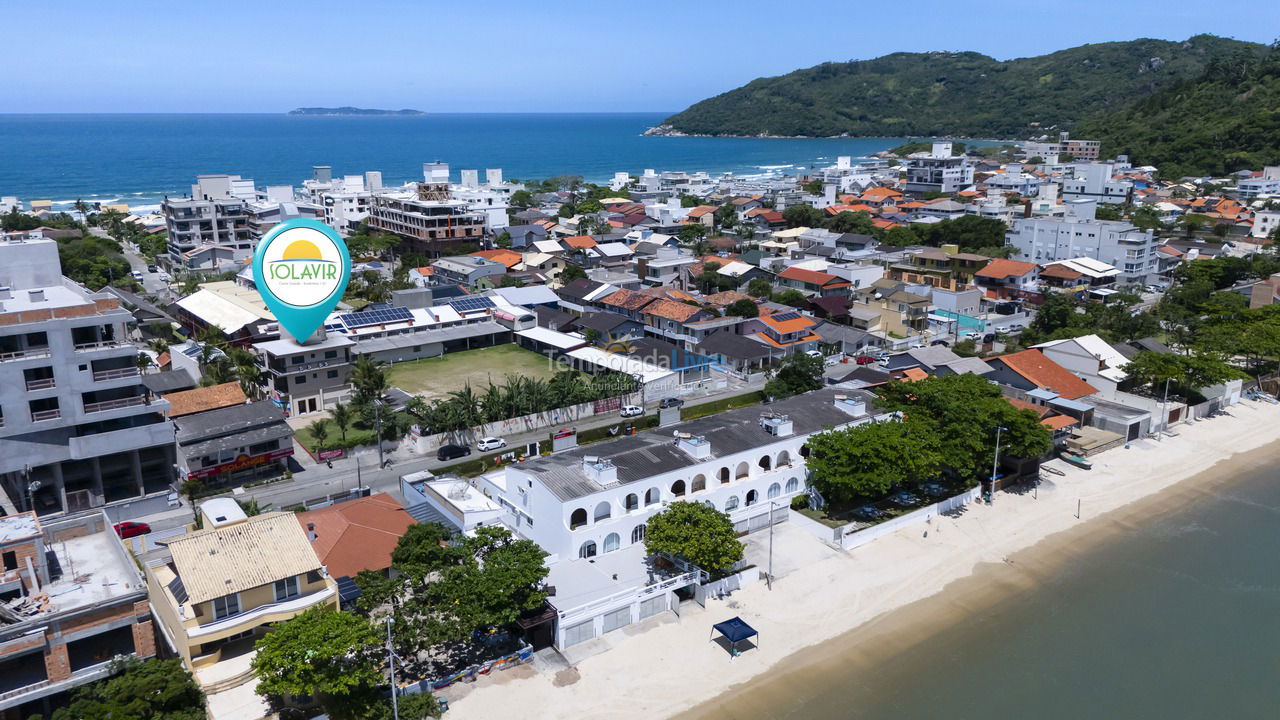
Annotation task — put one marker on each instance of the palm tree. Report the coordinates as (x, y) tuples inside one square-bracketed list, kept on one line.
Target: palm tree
[(467, 406), (142, 361), (341, 414), (159, 346), (368, 378), (218, 372), (319, 430), (491, 404)]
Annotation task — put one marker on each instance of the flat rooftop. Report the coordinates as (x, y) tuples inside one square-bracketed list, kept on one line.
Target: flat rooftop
[(92, 573), (578, 581), (18, 527)]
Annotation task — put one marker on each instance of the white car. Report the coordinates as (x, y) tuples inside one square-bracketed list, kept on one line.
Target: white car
[(813, 353), (136, 275), (631, 411), (490, 443)]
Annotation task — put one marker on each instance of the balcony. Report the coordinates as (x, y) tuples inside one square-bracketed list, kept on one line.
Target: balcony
[(25, 354), (114, 404), (41, 384), (99, 345), (271, 612), (42, 415), (114, 374)]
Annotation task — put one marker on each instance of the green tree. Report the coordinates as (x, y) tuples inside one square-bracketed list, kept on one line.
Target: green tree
[(799, 373), (138, 690), (319, 430), (803, 215), (760, 287), (572, 272), (503, 240), (690, 232), (813, 187), (523, 199), (690, 201), (792, 297), (743, 308), (327, 654), (851, 222), (870, 459), (698, 533), (341, 416)]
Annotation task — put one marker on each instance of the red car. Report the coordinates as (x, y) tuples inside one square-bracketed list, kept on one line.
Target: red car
[(563, 433), (132, 529), (865, 360)]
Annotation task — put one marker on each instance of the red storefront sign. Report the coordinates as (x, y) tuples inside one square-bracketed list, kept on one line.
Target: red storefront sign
[(244, 462), (324, 455)]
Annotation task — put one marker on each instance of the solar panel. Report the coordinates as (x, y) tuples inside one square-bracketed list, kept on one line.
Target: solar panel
[(472, 303), (178, 589), (376, 317), (785, 316)]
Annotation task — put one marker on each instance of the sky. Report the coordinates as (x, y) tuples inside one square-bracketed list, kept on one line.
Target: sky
[(67, 56)]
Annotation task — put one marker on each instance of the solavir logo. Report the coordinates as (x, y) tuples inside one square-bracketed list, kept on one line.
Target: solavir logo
[(302, 262), (618, 346), (302, 266)]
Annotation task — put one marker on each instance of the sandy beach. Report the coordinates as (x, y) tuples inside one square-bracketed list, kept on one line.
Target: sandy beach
[(842, 607)]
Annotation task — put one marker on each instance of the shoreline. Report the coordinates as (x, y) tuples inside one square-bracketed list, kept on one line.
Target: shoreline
[(875, 601)]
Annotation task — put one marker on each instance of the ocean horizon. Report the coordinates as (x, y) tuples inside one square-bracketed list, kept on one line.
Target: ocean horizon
[(139, 158)]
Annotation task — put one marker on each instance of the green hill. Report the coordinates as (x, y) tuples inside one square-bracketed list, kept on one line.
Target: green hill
[(944, 93), (1226, 120)]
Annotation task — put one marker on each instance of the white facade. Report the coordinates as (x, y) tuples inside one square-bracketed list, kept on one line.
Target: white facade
[(1094, 181), (1044, 240), (1265, 222), (939, 171), (345, 200)]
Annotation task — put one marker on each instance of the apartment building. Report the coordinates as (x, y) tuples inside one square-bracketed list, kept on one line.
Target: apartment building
[(311, 377), (1096, 181), (946, 268), (427, 216), (344, 201), (1078, 234), (232, 580), (889, 307), (939, 171), (78, 429), (210, 230), (1078, 149), (491, 198), (275, 205), (76, 600)]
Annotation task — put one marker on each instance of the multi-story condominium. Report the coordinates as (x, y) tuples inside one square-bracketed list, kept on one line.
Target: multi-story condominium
[(427, 216), (77, 602), (945, 268), (1079, 234), (1267, 184), (1094, 181), (588, 507), (311, 377), (344, 201), (233, 580), (210, 229), (939, 171), (77, 427), (275, 206), (1014, 180), (1079, 149), (886, 306), (492, 198)]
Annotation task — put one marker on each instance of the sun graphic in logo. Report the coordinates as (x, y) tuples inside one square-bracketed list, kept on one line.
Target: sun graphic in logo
[(303, 250), (618, 346)]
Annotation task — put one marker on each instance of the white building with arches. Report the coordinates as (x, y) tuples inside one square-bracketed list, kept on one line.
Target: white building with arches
[(588, 507)]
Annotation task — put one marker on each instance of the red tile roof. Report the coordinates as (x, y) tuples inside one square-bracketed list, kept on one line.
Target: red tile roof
[(701, 210), (812, 277), (626, 299), (671, 310), (787, 326), (509, 258), (1046, 374), (358, 534), (999, 269), (187, 402)]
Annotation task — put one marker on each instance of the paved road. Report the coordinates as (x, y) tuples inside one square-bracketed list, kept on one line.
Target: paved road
[(150, 281)]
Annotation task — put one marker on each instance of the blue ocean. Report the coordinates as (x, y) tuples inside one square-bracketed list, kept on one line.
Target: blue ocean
[(137, 159)]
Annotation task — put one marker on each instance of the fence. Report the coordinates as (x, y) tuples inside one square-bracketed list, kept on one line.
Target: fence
[(850, 539), (519, 657), (726, 585), (525, 423)]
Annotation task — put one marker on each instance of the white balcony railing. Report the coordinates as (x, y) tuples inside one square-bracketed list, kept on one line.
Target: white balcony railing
[(114, 374), (40, 384), (24, 354), (40, 415), (299, 603), (80, 347), (114, 404)]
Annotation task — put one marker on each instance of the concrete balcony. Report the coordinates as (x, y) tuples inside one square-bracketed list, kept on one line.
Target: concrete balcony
[(100, 345), (106, 405), (40, 384), (269, 613), (115, 374), (28, 354), (42, 415), (134, 438)]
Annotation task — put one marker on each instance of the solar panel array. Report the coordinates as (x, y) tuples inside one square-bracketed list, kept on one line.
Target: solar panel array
[(376, 317), (785, 316), (472, 303)]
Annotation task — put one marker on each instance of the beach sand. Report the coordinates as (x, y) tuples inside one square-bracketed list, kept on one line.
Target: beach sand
[(842, 609)]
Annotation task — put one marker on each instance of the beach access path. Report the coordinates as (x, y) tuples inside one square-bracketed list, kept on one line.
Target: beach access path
[(671, 667)]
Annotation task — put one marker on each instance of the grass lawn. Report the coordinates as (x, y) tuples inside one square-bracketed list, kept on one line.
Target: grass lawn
[(437, 377)]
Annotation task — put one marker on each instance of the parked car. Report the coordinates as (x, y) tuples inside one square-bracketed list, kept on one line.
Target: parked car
[(562, 433), (813, 353), (152, 269), (452, 452), (670, 403), (164, 277), (943, 343), (490, 443), (881, 355), (130, 529), (1015, 327), (902, 498), (867, 513), (972, 335), (933, 489), (631, 411), (989, 338), (864, 360), (919, 344), (136, 275)]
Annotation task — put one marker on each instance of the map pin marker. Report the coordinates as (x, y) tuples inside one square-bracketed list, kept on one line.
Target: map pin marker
[(301, 269)]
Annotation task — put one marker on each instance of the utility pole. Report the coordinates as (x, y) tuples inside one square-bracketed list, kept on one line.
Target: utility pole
[(769, 577), (377, 429), (995, 464), (391, 659), (1164, 405)]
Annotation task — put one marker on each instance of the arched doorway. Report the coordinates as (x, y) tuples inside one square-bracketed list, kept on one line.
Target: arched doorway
[(577, 518), (677, 488), (604, 511), (699, 483), (752, 497), (611, 542), (588, 549)]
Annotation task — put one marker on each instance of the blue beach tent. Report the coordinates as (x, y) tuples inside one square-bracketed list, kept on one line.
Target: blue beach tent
[(735, 630)]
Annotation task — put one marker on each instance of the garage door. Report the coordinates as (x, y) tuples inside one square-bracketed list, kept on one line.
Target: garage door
[(653, 606), (581, 632), (616, 619)]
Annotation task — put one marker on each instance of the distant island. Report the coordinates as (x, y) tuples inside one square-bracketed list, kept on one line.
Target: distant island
[(348, 110)]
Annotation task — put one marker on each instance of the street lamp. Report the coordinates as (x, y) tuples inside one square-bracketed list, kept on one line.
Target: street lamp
[(1164, 405), (769, 576), (995, 465)]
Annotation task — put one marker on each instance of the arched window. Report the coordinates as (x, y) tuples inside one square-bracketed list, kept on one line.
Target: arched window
[(724, 475), (793, 485), (752, 497), (699, 483), (603, 511), (804, 451), (588, 549), (784, 459), (637, 534), (743, 470), (731, 504), (611, 542), (677, 488), (577, 518), (652, 496), (631, 503), (774, 490), (765, 463)]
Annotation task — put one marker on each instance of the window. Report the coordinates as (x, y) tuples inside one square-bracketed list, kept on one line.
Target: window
[(774, 490), (10, 560), (651, 496), (300, 380), (731, 504), (699, 483), (677, 488), (724, 475), (330, 354), (286, 588), (611, 542), (588, 549), (333, 374), (226, 606), (637, 533), (297, 359), (793, 485), (752, 497), (632, 502), (577, 518), (603, 512)]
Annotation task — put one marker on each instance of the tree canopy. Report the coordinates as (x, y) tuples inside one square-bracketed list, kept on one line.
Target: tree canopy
[(869, 459), (696, 532), (323, 653), (799, 373), (139, 690)]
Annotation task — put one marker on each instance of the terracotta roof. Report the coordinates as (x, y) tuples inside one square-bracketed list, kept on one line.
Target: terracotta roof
[(701, 210), (914, 374), (788, 326), (812, 277), (999, 269), (837, 209), (671, 310), (358, 534), (580, 242), (1039, 410), (1057, 422), (427, 271), (186, 402), (1169, 250), (722, 242), (1046, 374), (726, 298), (880, 194), (510, 258), (811, 337), (883, 224), (626, 299), (1058, 270)]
